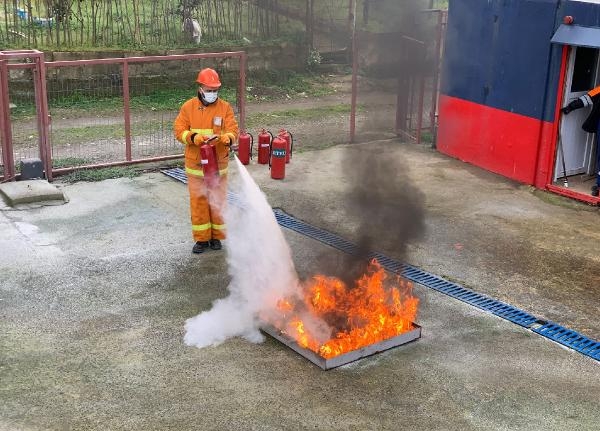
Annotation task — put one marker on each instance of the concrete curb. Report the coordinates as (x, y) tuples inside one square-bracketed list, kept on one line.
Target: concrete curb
[(32, 191)]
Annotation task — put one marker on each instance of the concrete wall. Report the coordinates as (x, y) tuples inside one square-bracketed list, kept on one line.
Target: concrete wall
[(285, 55), (106, 79), (269, 57)]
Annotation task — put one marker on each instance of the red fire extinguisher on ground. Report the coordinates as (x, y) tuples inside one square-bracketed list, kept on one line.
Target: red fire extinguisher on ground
[(290, 143), (208, 161), (278, 155), (264, 144), (245, 144)]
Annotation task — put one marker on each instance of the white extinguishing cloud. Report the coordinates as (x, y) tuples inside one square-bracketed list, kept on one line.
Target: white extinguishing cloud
[(260, 265)]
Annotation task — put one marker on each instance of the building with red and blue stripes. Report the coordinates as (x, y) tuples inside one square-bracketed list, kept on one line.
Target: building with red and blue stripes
[(509, 66)]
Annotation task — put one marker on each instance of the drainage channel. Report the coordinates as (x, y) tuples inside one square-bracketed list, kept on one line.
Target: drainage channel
[(551, 330)]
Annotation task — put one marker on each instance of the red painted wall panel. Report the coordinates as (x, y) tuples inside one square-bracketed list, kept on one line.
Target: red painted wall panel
[(499, 141)]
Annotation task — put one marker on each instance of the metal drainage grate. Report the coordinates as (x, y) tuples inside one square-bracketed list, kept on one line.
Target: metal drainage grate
[(321, 235), (570, 339), (176, 173), (550, 330), (483, 302)]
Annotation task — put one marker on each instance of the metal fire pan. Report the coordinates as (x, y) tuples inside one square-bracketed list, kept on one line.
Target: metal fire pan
[(346, 358)]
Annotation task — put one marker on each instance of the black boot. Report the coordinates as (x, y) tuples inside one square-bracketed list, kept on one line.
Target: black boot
[(199, 247), (595, 191), (215, 244)]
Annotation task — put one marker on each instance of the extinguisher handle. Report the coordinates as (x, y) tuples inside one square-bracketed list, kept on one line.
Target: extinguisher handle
[(270, 147)]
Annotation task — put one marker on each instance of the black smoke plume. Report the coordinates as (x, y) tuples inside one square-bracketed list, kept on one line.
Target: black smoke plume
[(382, 205)]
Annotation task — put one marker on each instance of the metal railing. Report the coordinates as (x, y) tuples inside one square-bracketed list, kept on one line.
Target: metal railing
[(99, 113)]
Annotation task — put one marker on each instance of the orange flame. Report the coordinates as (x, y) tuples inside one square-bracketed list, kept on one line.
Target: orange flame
[(365, 314)]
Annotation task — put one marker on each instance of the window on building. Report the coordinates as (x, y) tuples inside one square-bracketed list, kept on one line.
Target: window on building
[(584, 72)]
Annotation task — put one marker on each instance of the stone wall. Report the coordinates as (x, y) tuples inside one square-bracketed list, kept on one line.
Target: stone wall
[(285, 56), (145, 77), (172, 73)]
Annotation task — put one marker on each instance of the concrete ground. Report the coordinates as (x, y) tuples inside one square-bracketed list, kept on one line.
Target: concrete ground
[(94, 295)]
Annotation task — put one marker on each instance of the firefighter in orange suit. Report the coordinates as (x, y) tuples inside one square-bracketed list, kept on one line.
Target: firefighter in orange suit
[(199, 119)]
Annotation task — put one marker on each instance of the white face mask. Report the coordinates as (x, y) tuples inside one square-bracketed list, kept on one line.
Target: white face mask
[(210, 97)]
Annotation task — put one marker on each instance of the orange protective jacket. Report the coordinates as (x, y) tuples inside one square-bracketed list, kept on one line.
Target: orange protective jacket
[(206, 199), (214, 119)]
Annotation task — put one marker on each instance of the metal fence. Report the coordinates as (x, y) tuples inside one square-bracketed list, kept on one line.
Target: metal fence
[(396, 80), (137, 23), (102, 112)]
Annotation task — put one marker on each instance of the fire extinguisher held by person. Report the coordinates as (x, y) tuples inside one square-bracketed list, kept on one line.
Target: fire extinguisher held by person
[(590, 125), (208, 129)]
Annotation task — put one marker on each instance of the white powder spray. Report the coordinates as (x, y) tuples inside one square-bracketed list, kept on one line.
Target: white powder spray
[(260, 265)]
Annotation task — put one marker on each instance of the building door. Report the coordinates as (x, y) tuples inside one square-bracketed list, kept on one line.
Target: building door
[(577, 145)]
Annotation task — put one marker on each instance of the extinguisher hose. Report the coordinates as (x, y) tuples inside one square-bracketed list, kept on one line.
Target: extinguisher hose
[(270, 148), (291, 143)]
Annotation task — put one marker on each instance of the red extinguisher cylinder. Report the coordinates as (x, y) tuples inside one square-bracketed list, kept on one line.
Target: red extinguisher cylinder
[(208, 160), (245, 145), (278, 154), (264, 146), (287, 135)]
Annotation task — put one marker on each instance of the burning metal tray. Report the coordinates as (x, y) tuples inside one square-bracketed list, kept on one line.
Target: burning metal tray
[(345, 358)]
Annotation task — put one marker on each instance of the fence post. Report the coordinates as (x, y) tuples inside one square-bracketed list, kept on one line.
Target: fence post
[(402, 105), (436, 75), (352, 19), (420, 109), (5, 130), (242, 93), (126, 110), (43, 121)]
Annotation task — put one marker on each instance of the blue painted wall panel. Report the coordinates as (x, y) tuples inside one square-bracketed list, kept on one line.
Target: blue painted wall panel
[(498, 54), (586, 14)]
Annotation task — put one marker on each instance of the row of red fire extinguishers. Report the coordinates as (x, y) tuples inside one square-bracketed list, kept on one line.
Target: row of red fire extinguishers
[(274, 150)]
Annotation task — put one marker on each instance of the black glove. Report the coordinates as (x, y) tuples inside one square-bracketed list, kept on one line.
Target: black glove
[(566, 109)]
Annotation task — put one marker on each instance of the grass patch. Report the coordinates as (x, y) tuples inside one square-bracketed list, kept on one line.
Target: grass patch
[(263, 86), (102, 174), (67, 162), (427, 137), (258, 119), (277, 84), (561, 201), (94, 133), (88, 133)]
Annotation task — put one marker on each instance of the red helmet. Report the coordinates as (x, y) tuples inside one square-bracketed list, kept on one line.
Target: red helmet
[(208, 77)]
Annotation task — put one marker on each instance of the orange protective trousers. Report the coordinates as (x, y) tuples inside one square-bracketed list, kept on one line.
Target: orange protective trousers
[(207, 203), (207, 196)]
